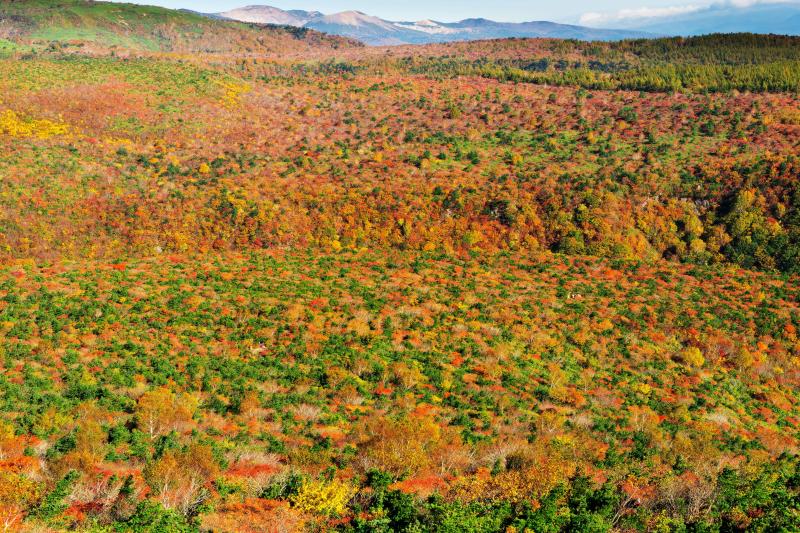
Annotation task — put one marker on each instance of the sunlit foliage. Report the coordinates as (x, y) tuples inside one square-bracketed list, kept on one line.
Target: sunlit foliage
[(258, 279)]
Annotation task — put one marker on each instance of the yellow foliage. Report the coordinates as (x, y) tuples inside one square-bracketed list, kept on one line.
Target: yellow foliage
[(17, 489), (744, 359), (51, 420), (404, 447), (178, 478), (161, 411), (233, 92), (472, 237), (530, 474), (697, 246), (693, 225), (605, 325), (89, 449), (407, 376), (11, 124), (359, 326), (328, 498), (693, 357), (790, 116), (10, 445), (6, 431)]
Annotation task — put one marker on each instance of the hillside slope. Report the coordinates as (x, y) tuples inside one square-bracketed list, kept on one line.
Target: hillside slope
[(490, 286), (146, 28)]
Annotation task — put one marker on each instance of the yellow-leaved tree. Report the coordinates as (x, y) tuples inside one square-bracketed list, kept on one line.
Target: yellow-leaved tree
[(161, 411), (328, 498)]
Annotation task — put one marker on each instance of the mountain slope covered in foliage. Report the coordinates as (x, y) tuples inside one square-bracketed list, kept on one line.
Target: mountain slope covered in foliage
[(399, 289)]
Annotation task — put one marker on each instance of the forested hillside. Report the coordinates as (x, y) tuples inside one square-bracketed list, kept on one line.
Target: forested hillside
[(522, 285), (257, 153), (743, 62)]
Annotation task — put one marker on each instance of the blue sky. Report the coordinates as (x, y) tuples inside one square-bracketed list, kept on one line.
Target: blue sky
[(444, 10)]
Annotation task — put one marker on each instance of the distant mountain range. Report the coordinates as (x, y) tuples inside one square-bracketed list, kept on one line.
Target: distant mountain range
[(750, 16), (726, 16), (377, 31)]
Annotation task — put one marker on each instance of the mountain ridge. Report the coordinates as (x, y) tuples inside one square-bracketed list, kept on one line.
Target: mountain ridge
[(377, 31)]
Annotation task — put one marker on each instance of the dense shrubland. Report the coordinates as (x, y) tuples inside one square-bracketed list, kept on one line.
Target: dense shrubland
[(393, 390), (338, 159)]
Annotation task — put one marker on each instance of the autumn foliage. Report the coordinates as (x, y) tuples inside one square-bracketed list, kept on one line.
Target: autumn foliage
[(274, 281)]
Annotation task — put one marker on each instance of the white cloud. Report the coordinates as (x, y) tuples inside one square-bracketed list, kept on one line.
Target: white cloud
[(624, 16), (593, 19)]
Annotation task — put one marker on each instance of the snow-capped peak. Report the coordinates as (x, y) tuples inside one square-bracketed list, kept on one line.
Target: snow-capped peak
[(270, 15), (355, 18), (425, 26)]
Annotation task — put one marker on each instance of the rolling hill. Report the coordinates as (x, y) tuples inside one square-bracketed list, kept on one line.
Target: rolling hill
[(146, 28)]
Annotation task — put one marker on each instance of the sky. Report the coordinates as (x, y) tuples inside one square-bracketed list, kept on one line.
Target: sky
[(448, 10)]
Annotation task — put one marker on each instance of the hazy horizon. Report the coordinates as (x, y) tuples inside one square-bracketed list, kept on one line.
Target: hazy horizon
[(603, 13)]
